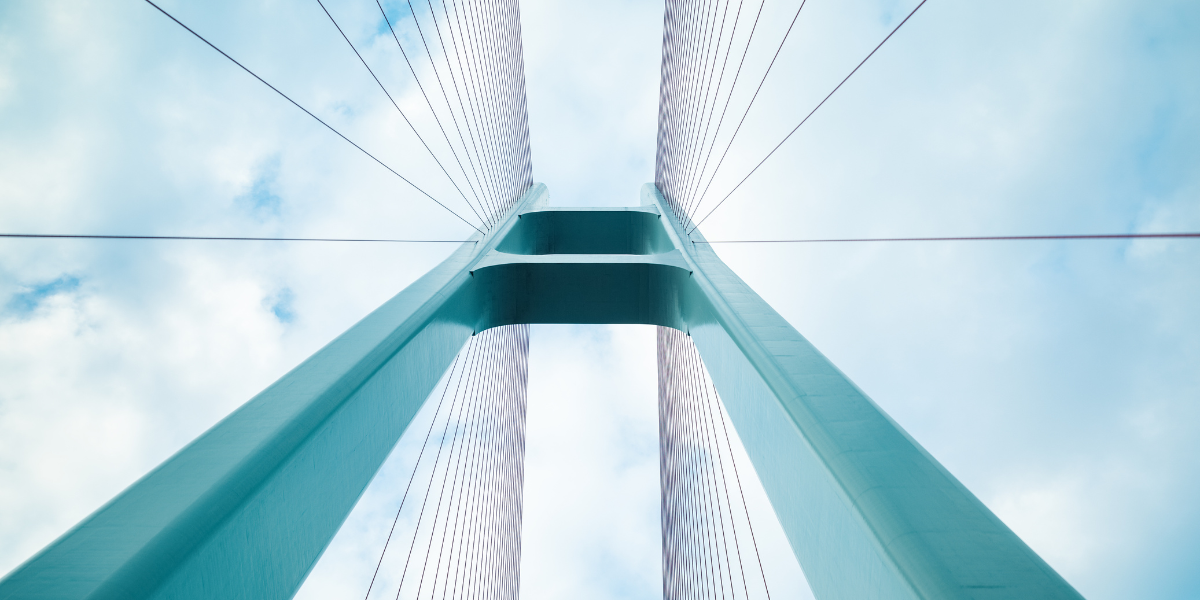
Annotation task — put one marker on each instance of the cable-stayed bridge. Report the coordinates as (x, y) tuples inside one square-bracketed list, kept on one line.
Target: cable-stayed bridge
[(868, 512)]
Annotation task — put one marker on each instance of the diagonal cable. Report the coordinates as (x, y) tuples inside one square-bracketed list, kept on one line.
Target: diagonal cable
[(485, 165), (417, 464), (742, 494), (725, 109), (483, 184), (468, 42), (750, 105), (431, 109), (716, 100), (695, 145), (1093, 236), (307, 112), (821, 103), (467, 374), (698, 57), (402, 115)]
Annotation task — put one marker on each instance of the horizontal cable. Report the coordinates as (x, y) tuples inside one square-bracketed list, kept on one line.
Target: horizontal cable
[(306, 111), (222, 239), (1100, 236)]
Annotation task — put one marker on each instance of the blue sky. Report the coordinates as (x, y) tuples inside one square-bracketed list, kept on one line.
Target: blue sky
[(1057, 380)]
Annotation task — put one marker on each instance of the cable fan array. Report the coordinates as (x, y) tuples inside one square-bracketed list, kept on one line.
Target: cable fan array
[(466, 534), (489, 89), (695, 40), (705, 524), (693, 37), (481, 80)]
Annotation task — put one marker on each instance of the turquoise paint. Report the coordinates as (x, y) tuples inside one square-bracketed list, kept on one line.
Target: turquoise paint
[(868, 512), (245, 510)]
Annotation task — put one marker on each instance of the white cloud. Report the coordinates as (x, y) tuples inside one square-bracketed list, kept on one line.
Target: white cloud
[(1057, 380)]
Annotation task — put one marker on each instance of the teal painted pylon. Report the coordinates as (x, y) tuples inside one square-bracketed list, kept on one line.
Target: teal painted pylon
[(246, 509)]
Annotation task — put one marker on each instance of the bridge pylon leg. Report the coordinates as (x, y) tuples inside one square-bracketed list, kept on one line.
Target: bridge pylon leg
[(869, 513)]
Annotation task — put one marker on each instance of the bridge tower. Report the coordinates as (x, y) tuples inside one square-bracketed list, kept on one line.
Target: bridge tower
[(246, 509)]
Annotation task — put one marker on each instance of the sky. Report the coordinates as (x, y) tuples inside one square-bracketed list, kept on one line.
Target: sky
[(1057, 380)]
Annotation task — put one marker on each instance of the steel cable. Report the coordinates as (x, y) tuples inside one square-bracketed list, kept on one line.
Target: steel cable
[(716, 95), (309, 113), (433, 65), (467, 367), (698, 516), (429, 103), (416, 465), (741, 122), (398, 109), (688, 200)]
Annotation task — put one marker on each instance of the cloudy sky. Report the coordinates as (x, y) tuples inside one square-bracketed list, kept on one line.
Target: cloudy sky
[(1060, 381)]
